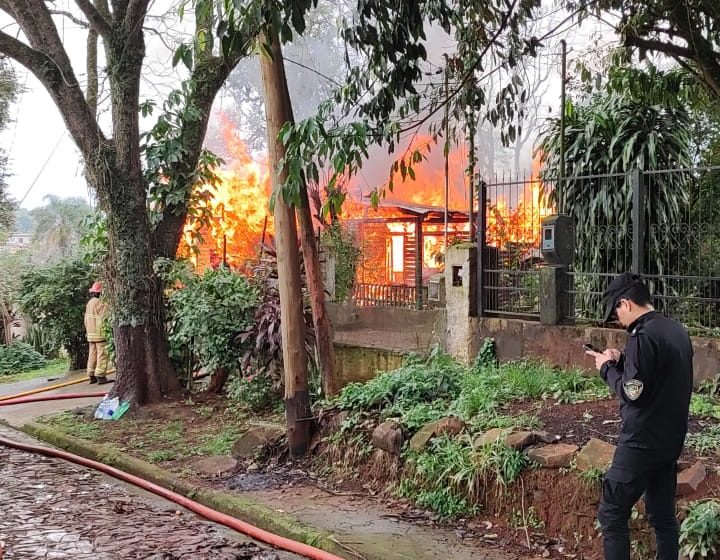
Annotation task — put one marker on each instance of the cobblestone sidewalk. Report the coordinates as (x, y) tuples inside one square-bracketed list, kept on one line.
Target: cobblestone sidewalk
[(53, 509)]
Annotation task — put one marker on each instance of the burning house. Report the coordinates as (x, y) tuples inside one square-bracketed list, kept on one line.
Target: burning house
[(402, 242)]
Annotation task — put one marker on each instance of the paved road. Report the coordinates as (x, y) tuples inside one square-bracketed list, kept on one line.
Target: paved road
[(17, 415), (54, 509)]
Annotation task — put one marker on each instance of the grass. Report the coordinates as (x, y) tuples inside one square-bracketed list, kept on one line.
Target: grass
[(75, 425), (451, 476), (222, 443), (53, 368)]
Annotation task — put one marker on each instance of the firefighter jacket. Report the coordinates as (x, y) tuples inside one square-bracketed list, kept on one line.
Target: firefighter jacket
[(95, 313), (653, 381)]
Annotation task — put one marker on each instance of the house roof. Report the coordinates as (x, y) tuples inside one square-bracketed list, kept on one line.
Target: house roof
[(414, 210)]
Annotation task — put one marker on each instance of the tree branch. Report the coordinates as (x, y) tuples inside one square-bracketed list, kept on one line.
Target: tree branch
[(97, 21), (135, 14), (62, 87), (658, 46), (208, 77), (71, 17)]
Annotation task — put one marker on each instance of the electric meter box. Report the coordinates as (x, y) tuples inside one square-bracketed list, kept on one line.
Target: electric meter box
[(557, 239)]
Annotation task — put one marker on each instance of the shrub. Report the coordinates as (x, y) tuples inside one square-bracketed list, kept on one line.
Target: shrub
[(700, 532), (254, 392), (208, 312), (19, 357), (55, 298), (42, 340)]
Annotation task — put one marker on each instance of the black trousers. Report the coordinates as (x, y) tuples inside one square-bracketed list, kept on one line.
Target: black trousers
[(622, 488)]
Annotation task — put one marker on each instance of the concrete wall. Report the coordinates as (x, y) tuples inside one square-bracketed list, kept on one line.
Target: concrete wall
[(399, 330), (562, 345), (358, 363), (372, 339)]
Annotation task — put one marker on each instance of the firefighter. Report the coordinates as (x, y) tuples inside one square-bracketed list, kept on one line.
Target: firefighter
[(652, 378), (95, 314)]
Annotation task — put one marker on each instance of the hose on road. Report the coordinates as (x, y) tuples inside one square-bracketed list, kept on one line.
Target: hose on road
[(63, 396), (43, 389), (208, 513)]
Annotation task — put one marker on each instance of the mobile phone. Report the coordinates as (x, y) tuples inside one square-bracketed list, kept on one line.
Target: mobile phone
[(592, 348)]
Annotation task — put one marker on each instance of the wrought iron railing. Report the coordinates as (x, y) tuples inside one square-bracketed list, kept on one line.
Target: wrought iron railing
[(664, 225), (387, 295)]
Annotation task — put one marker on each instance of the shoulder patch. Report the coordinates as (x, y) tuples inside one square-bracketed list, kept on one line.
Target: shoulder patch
[(633, 389)]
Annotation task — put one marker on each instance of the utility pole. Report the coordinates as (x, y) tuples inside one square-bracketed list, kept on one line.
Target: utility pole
[(292, 325), (313, 276)]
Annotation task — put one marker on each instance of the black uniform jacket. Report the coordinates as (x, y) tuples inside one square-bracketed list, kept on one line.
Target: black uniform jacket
[(653, 381)]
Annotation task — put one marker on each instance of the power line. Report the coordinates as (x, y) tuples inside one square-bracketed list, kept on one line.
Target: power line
[(27, 192)]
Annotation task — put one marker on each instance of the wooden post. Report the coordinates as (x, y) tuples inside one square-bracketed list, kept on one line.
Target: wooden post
[(324, 338), (297, 397), (419, 246)]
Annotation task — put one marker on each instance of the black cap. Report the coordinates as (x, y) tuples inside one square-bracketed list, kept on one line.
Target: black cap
[(621, 286)]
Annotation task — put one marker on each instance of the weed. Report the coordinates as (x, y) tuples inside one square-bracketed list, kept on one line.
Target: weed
[(205, 411), (161, 456), (75, 425), (452, 472), (415, 417), (393, 392), (529, 519), (593, 475), (487, 422), (221, 444), (444, 501), (708, 440), (705, 405), (700, 531), (170, 434)]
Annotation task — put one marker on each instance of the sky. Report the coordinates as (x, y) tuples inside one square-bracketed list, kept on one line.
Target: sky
[(42, 157)]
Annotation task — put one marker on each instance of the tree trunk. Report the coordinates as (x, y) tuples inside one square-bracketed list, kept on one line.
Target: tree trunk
[(321, 321), (297, 397), (313, 274), (144, 371)]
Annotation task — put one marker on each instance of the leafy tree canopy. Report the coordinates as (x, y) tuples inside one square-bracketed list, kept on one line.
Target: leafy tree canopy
[(8, 92), (396, 90), (688, 31)]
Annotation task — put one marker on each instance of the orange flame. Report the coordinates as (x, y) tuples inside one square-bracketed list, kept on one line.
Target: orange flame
[(509, 222), (239, 209)]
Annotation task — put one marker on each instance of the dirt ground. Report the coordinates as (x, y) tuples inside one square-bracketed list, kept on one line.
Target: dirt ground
[(579, 422)]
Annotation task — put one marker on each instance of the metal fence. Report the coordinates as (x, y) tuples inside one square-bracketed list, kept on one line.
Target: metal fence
[(663, 224)]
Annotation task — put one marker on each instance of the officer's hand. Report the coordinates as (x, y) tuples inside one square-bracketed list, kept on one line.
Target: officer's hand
[(601, 357), (615, 354)]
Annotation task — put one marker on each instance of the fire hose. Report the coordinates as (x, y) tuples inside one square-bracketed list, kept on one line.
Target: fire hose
[(43, 389), (208, 513)]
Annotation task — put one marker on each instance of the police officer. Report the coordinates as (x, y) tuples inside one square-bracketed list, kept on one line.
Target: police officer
[(653, 379)]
